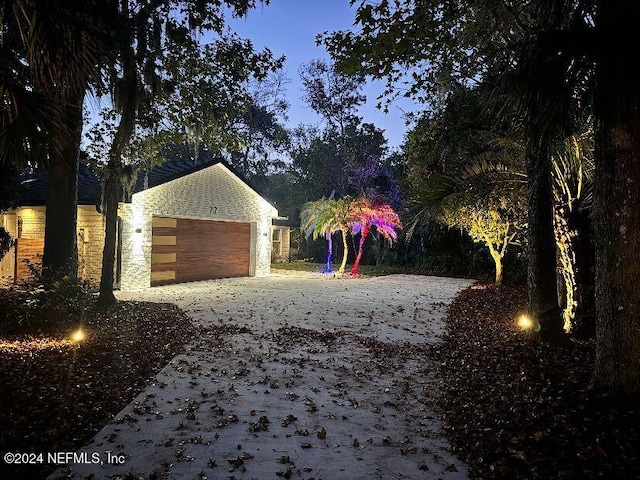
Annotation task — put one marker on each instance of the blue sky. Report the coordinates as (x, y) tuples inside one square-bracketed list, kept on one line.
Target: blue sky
[(289, 27)]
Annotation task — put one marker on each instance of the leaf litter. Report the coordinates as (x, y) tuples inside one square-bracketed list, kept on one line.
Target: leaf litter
[(310, 387), (515, 408)]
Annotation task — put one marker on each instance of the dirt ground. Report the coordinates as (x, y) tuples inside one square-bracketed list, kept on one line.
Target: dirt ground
[(296, 375)]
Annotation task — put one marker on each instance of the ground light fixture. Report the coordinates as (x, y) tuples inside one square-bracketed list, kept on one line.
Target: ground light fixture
[(78, 336), (525, 322)]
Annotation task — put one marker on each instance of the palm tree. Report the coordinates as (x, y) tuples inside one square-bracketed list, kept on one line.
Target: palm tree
[(323, 218), (311, 212), (474, 177), (366, 214), (336, 218)]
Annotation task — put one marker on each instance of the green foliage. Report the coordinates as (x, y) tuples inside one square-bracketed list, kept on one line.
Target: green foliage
[(210, 89), (6, 242), (51, 53), (331, 158), (442, 265), (332, 94), (310, 216), (465, 171), (324, 161), (281, 189), (423, 49), (259, 128), (30, 307), (494, 221)]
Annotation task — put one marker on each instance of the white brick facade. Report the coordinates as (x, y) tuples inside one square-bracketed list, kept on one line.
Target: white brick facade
[(213, 193)]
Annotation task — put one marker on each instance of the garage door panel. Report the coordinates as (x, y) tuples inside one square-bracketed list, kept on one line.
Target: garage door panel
[(163, 249), (196, 262), (223, 267), (209, 248), (163, 267), (196, 277), (164, 231), (204, 249)]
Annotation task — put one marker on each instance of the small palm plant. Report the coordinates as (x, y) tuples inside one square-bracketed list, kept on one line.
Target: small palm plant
[(364, 215), (311, 218)]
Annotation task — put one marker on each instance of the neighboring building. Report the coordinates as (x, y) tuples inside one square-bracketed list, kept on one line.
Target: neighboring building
[(184, 222), (280, 241)]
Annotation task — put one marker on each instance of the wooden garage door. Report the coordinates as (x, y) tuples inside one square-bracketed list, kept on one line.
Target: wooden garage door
[(186, 250)]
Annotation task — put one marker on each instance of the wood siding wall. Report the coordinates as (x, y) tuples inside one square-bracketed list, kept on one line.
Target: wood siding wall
[(90, 240), (27, 249), (185, 250)]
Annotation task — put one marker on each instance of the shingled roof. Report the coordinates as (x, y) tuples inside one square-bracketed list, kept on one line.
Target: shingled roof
[(33, 191)]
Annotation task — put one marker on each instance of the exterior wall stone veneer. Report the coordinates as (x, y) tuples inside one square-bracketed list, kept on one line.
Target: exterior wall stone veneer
[(213, 193)]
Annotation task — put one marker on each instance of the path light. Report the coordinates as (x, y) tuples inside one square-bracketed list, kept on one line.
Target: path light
[(526, 323), (78, 336)]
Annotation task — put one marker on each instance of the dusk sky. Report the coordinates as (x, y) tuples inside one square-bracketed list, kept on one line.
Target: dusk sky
[(289, 27)]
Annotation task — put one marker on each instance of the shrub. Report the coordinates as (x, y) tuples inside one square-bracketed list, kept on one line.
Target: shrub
[(30, 307), (6, 242)]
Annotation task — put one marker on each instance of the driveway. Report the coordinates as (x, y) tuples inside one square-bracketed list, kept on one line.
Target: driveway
[(292, 376)]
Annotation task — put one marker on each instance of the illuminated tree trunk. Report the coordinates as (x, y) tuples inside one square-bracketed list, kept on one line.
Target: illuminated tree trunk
[(567, 259), (584, 321), (345, 245), (327, 267), (541, 277), (363, 235), (497, 259), (110, 206), (616, 200)]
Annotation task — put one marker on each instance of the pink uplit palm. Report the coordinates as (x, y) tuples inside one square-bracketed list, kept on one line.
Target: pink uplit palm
[(366, 214)]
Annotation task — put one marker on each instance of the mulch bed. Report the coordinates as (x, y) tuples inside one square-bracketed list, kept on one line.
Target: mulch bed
[(57, 394), (515, 408)]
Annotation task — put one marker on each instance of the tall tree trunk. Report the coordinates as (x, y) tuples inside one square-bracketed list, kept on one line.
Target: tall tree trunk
[(327, 267), (60, 243), (110, 211), (363, 236), (345, 253), (617, 196), (497, 260), (110, 204), (567, 259), (547, 100), (585, 274), (128, 109), (541, 274)]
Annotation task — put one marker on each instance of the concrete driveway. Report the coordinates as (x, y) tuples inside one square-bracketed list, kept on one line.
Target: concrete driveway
[(296, 375)]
